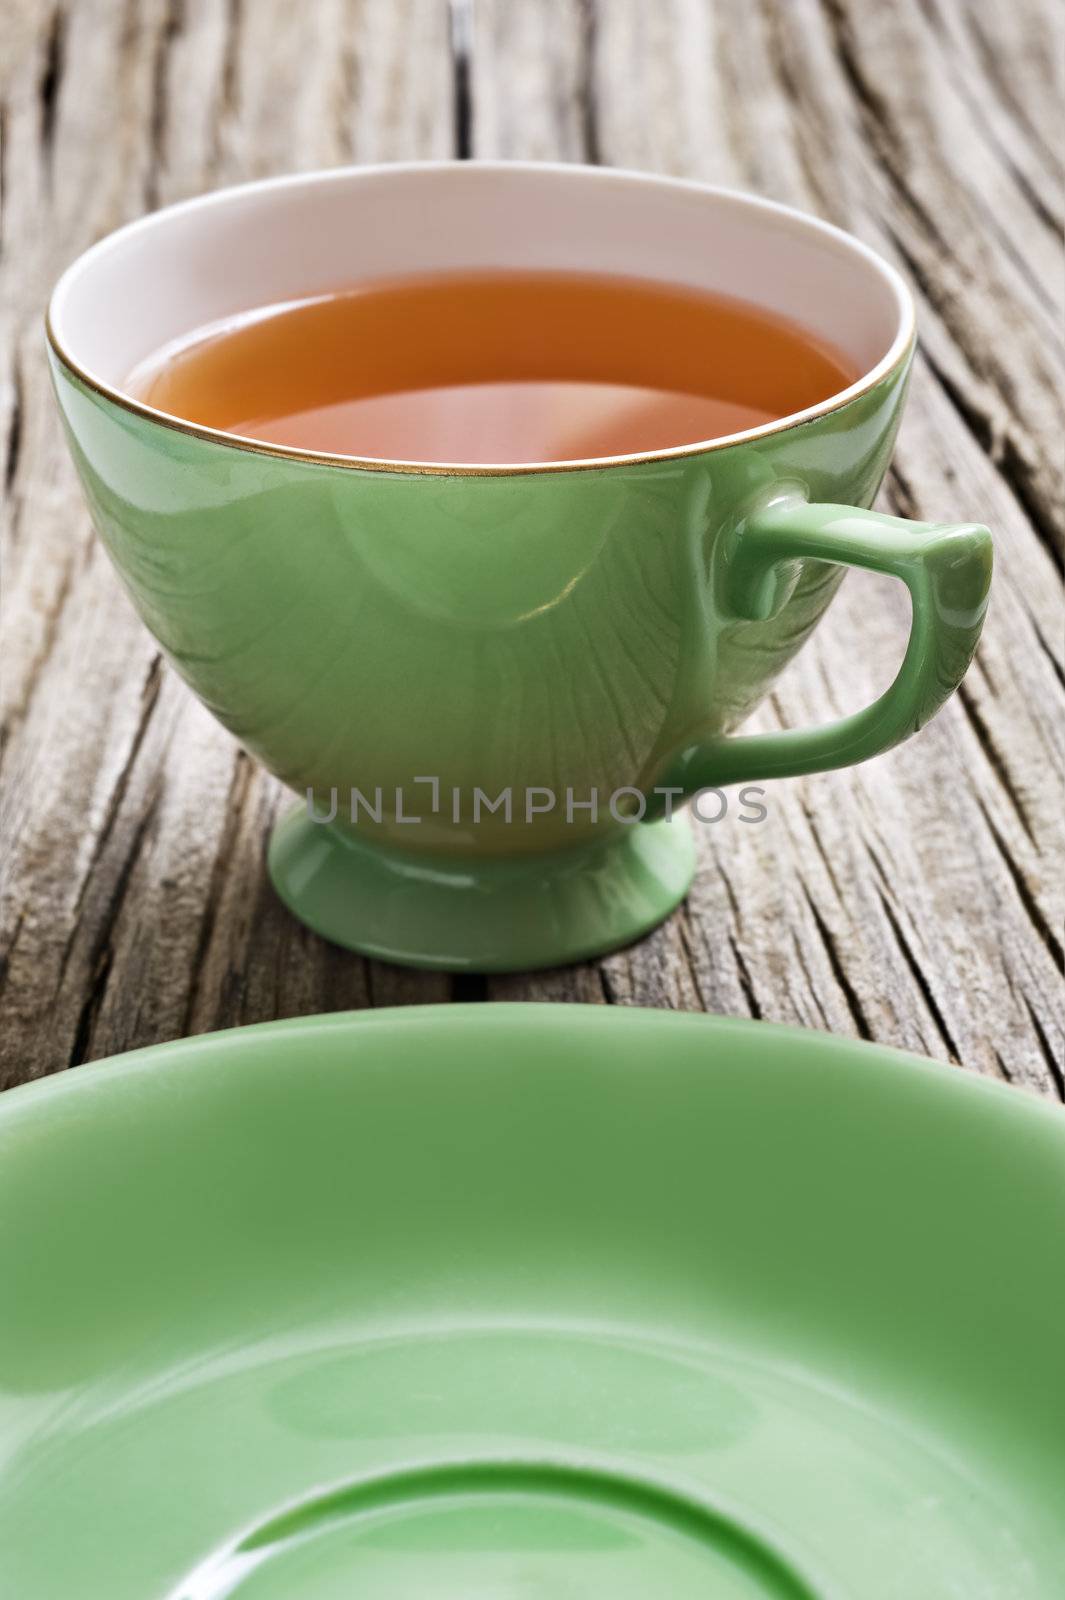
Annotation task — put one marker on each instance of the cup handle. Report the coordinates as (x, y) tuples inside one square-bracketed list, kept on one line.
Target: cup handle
[(945, 566)]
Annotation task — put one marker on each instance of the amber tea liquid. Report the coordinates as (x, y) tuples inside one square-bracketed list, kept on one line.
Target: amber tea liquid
[(495, 367)]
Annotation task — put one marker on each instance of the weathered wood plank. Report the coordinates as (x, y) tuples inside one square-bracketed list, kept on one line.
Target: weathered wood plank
[(853, 906), (134, 903), (917, 900)]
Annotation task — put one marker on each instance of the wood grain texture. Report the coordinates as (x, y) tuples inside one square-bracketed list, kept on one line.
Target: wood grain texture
[(917, 900)]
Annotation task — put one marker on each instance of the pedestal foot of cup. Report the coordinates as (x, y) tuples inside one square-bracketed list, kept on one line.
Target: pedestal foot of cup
[(481, 915)]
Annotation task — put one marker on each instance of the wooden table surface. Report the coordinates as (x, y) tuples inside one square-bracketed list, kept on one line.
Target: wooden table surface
[(916, 900)]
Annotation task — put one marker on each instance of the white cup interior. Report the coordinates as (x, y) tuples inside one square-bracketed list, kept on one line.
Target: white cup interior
[(162, 278)]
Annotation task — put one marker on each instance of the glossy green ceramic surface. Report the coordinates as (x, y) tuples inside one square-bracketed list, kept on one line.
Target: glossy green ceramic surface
[(512, 913), (420, 639), (529, 1303)]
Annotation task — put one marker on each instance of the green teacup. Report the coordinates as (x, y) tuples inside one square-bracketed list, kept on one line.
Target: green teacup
[(410, 645)]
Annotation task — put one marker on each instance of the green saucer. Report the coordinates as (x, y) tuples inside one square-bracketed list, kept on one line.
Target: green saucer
[(529, 1303)]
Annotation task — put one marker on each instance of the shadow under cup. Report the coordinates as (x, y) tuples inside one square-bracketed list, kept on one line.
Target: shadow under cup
[(498, 684)]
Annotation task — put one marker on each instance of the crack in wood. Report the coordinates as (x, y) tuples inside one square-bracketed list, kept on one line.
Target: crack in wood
[(1000, 449), (819, 846), (977, 103), (811, 986), (746, 982), (586, 74), (778, 49), (19, 711), (173, 23), (1055, 1060), (730, 894), (348, 86), (876, 116), (14, 425), (228, 102), (6, 951), (684, 935), (1031, 906), (921, 979), (1055, 660), (90, 1010), (149, 697), (462, 46), (102, 955), (1003, 1066), (837, 966), (995, 761), (236, 796), (991, 60), (51, 82), (469, 987), (900, 492)]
